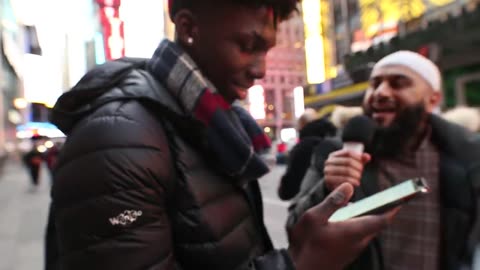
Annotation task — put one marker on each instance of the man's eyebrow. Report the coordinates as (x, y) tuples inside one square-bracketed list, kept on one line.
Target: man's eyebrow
[(393, 75), (250, 35), (262, 40), (257, 37), (402, 76)]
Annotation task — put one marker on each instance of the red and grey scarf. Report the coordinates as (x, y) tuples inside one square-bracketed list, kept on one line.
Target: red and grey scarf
[(232, 136)]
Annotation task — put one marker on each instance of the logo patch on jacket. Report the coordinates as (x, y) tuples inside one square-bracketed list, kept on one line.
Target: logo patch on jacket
[(126, 218)]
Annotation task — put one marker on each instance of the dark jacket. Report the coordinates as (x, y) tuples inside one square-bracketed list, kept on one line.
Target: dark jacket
[(459, 186), (131, 193), (300, 156)]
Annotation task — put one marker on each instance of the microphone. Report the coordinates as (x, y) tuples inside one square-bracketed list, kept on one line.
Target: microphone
[(358, 133), (323, 149)]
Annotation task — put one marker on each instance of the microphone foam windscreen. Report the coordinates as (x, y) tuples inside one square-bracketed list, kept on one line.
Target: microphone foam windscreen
[(359, 129), (322, 150)]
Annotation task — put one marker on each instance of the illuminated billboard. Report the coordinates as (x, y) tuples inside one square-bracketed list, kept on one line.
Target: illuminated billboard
[(313, 41), (319, 49), (379, 19), (112, 28), (40, 84), (256, 98), (138, 17), (298, 101)]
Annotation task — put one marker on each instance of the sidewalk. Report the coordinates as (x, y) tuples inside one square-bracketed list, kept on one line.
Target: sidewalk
[(23, 218)]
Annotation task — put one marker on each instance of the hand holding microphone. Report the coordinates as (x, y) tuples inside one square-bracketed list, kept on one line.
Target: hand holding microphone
[(347, 165)]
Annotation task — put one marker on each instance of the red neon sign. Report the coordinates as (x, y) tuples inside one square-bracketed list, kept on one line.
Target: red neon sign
[(112, 25)]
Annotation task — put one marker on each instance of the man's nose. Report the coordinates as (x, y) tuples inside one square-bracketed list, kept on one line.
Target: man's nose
[(258, 67), (383, 90)]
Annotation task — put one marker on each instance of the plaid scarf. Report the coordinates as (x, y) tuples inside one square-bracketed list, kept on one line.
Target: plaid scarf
[(236, 150)]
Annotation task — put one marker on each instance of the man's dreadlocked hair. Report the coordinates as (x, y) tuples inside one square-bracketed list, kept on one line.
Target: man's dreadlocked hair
[(282, 8)]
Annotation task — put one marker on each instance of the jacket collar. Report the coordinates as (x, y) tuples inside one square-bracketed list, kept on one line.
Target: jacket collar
[(455, 141), (459, 150)]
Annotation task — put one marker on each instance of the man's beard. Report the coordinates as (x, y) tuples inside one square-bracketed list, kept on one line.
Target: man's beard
[(394, 140)]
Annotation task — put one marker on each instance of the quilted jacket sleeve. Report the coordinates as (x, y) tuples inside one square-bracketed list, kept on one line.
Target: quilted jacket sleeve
[(274, 260), (111, 193)]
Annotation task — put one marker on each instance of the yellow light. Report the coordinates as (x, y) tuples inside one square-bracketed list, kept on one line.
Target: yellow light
[(49, 144), (20, 103), (271, 107), (441, 2), (333, 72), (314, 47), (267, 129), (315, 60), (14, 116), (50, 104), (376, 13), (42, 149)]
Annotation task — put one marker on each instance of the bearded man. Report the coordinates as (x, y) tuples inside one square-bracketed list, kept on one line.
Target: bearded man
[(436, 231)]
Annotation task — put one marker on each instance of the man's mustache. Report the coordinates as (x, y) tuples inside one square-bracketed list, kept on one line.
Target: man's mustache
[(383, 102)]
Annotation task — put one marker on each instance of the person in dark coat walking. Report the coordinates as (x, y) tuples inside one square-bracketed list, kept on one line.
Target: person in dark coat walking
[(33, 160), (310, 135)]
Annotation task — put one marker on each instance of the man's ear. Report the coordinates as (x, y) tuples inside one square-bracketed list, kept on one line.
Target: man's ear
[(186, 25), (435, 100)]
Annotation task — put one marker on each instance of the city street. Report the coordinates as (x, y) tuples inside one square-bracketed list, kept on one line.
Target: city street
[(275, 210), (23, 217), (24, 212)]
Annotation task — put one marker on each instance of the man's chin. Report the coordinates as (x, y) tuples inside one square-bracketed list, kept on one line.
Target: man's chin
[(394, 133), (242, 94)]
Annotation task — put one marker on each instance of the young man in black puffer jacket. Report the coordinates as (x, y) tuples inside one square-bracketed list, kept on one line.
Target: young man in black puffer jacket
[(159, 169)]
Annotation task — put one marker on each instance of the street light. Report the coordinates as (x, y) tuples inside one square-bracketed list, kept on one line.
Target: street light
[(298, 101), (20, 103)]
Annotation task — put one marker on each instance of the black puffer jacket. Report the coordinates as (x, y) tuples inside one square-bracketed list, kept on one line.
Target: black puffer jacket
[(131, 193)]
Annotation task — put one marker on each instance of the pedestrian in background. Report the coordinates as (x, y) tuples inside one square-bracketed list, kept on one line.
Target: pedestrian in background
[(51, 157), (311, 131), (466, 117), (341, 115), (33, 160)]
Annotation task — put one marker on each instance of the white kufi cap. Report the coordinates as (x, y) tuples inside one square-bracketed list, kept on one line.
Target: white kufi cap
[(416, 62)]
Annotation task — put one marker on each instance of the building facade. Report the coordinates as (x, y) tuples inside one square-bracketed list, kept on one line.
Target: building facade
[(285, 71), (363, 31), (10, 83)]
